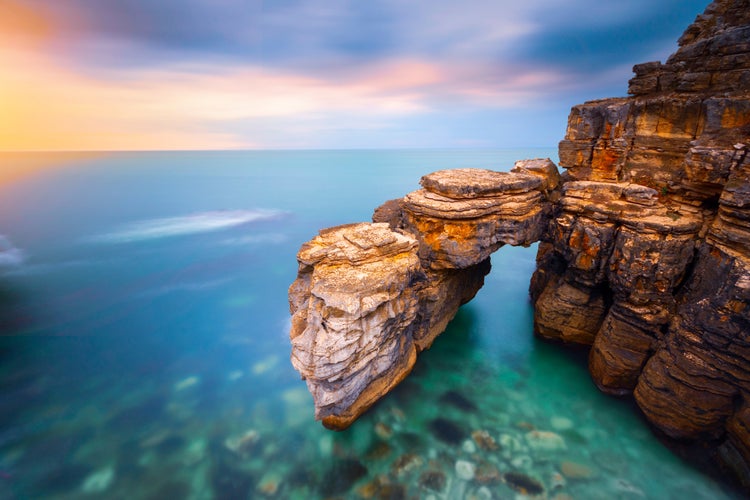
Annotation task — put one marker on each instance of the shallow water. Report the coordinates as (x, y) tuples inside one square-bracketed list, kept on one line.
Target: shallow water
[(144, 349)]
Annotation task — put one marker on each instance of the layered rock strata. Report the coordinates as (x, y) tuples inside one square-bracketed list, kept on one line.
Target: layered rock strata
[(644, 252), (648, 256), (368, 297)]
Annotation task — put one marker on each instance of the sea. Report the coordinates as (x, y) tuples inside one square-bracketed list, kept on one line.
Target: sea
[(144, 350)]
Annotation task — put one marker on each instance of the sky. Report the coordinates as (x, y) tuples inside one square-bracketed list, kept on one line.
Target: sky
[(107, 75)]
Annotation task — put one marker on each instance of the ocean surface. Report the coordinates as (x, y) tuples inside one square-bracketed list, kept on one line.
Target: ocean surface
[(144, 347)]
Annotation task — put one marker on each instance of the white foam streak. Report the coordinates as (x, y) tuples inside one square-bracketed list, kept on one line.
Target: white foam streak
[(255, 239), (186, 287), (190, 224)]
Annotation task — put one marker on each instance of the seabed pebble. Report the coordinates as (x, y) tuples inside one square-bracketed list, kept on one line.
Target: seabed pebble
[(545, 441), (186, 383), (469, 447), (561, 423), (99, 480), (522, 462), (465, 470)]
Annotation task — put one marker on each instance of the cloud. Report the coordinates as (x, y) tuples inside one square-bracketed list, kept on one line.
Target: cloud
[(211, 106), (190, 74)]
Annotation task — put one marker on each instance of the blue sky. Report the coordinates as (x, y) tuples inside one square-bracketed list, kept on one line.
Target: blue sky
[(144, 74)]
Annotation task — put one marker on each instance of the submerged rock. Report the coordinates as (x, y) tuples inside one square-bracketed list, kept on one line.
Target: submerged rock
[(341, 476), (432, 480), (98, 481), (487, 473), (447, 431), (242, 444), (545, 441), (523, 483), (269, 484), (458, 400), (574, 470), (406, 463), (465, 470), (483, 439)]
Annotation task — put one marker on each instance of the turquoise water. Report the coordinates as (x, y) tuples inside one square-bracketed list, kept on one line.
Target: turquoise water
[(144, 349)]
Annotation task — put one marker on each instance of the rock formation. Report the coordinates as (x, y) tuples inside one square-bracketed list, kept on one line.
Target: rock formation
[(644, 252), (369, 297), (648, 256)]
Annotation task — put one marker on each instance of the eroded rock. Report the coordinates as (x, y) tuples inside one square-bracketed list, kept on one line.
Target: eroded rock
[(354, 307), (648, 256), (368, 297)]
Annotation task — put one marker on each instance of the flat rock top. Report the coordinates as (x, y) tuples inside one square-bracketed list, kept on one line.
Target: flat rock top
[(355, 244), (462, 183)]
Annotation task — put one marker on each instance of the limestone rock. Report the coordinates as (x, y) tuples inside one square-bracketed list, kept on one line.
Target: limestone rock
[(369, 297), (362, 307), (354, 308), (647, 258), (462, 216)]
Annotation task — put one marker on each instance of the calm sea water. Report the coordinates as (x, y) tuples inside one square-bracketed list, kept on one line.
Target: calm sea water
[(144, 349)]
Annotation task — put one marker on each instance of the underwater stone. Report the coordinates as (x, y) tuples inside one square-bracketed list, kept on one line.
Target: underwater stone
[(458, 400), (269, 484), (465, 470), (447, 431), (186, 383), (561, 423), (487, 473), (483, 439), (379, 451), (432, 480), (341, 476), (383, 431), (406, 463), (574, 470), (545, 441), (469, 447), (482, 493), (244, 443), (195, 452), (522, 462), (523, 483), (99, 481)]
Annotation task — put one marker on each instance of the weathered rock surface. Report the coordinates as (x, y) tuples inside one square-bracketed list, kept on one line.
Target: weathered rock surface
[(353, 311), (648, 256), (644, 252), (369, 297)]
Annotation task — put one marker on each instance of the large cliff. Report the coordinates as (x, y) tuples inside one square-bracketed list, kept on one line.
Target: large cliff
[(644, 253), (648, 256)]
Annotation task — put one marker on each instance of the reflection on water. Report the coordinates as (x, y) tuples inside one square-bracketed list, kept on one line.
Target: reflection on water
[(158, 367)]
